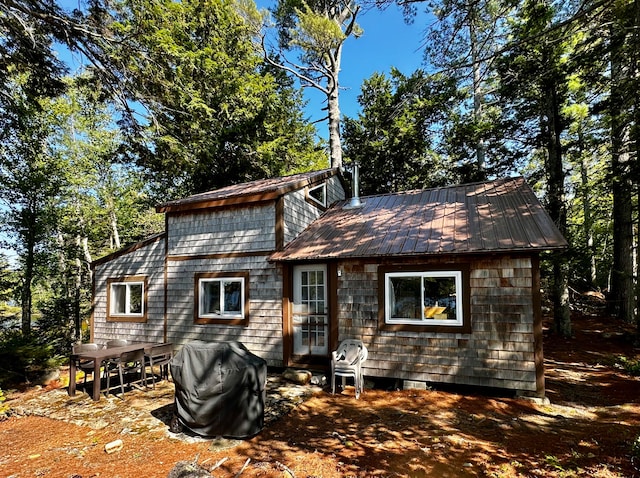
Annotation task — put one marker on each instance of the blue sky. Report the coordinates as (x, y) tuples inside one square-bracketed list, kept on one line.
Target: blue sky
[(387, 42)]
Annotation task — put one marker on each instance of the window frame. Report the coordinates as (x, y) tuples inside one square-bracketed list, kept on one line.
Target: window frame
[(236, 319), (313, 200), (127, 281), (461, 274)]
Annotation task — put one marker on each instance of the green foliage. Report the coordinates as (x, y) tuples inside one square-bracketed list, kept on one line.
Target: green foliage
[(213, 112), (55, 324), (4, 408), (25, 357), (9, 283), (105, 199), (30, 181), (392, 138), (630, 366), (316, 33), (553, 462), (26, 48), (635, 450)]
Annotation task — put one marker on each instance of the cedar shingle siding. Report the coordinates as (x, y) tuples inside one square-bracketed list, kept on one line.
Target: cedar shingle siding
[(499, 352), (144, 260), (217, 235), (494, 231)]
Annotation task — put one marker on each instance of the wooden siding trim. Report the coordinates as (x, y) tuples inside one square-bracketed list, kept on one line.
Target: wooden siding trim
[(244, 199), (221, 255), (128, 318), (200, 206), (228, 207), (129, 249), (280, 223), (332, 297), (287, 299), (92, 318), (465, 328), (165, 274), (245, 275)]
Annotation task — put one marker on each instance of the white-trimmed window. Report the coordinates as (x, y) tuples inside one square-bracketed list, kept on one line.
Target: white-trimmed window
[(127, 298), (221, 298), (318, 195), (424, 298)]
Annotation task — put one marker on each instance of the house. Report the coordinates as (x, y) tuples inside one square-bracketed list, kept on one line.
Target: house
[(442, 285)]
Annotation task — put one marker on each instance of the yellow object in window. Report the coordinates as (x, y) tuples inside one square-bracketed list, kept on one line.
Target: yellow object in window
[(429, 312)]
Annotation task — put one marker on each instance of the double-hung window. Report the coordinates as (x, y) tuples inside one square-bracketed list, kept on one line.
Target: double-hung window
[(127, 299), (221, 298), (415, 299)]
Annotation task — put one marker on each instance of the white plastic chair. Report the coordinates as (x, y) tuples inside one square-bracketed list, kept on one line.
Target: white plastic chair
[(347, 362)]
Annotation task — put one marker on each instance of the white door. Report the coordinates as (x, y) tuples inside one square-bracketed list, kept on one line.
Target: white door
[(310, 310)]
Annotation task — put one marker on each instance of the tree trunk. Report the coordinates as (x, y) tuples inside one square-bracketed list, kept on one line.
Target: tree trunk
[(333, 106), (478, 96), (87, 258), (557, 209), (27, 280), (587, 225), (114, 223), (635, 167), (622, 290)]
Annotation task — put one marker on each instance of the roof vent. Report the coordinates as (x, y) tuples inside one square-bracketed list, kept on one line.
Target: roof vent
[(355, 199)]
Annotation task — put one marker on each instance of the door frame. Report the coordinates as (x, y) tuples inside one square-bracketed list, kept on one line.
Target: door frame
[(308, 361)]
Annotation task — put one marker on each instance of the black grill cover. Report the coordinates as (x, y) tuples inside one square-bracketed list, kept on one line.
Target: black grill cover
[(220, 389)]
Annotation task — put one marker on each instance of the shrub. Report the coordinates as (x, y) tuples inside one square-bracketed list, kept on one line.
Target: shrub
[(3, 407), (25, 358), (635, 451), (632, 367)]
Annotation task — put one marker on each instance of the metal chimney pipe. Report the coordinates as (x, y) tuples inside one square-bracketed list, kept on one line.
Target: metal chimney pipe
[(355, 199)]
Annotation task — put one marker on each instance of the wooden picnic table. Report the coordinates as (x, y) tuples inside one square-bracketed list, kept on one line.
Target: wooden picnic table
[(98, 357)]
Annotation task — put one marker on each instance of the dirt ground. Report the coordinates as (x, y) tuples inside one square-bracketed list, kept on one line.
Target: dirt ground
[(587, 430)]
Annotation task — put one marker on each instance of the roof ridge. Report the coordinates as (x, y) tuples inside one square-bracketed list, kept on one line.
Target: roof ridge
[(450, 186), (256, 190)]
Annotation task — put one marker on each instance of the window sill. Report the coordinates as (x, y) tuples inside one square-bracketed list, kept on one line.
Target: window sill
[(127, 318), (446, 329), (221, 321)]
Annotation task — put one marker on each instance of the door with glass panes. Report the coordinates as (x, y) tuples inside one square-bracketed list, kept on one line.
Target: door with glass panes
[(310, 321)]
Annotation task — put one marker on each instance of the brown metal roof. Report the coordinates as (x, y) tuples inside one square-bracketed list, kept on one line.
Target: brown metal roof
[(502, 215), (254, 191)]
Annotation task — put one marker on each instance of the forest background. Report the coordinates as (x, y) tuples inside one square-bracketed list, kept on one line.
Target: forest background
[(183, 97)]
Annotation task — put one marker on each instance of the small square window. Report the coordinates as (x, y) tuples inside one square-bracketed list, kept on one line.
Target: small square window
[(221, 297), (126, 300)]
